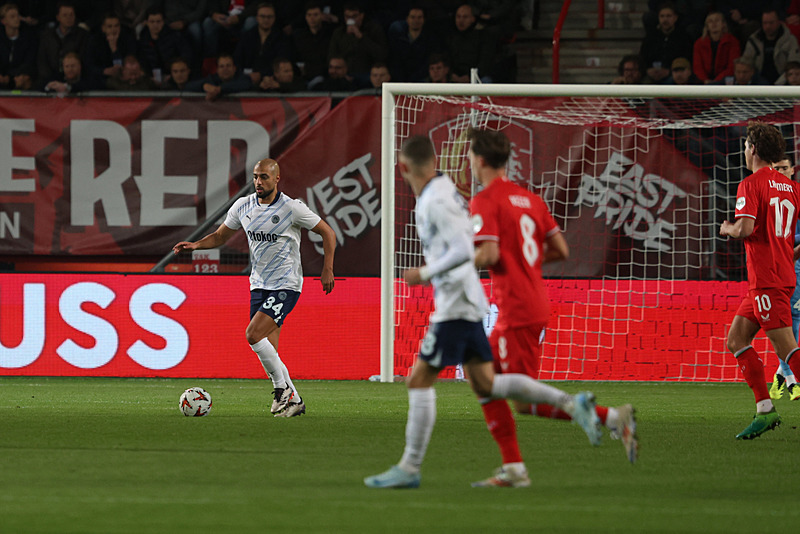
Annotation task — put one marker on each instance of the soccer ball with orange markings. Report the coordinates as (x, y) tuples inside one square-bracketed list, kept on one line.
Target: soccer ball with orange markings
[(195, 402)]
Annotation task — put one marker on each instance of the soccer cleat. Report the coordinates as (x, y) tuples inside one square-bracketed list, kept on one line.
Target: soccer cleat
[(778, 386), (393, 478), (627, 431), (761, 423), (282, 398), (585, 415), (794, 391), (293, 409), (505, 478)]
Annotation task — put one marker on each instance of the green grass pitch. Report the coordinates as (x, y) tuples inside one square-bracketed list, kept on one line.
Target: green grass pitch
[(116, 455)]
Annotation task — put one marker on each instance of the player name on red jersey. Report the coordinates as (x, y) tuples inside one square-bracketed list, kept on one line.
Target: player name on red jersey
[(780, 186), (519, 201)]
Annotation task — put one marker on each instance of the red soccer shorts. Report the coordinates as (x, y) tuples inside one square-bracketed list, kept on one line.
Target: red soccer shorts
[(517, 350), (768, 308)]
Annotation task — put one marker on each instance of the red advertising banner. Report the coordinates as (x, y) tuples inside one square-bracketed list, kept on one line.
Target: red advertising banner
[(178, 326), (109, 176)]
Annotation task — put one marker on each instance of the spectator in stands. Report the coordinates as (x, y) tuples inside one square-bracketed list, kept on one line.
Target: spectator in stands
[(225, 81), (411, 42), (691, 15), (745, 73), (338, 78), (681, 73), (158, 45), (31, 12), (629, 70), (771, 47), (186, 17), (283, 78), (311, 43), (501, 17), (742, 16), (715, 51), (469, 48), (131, 77), (360, 42), (438, 69), (261, 45), (793, 18), (58, 41), (17, 51), (791, 74), (179, 73), (108, 47), (132, 13), (71, 79), (224, 25), (378, 75), (661, 46)]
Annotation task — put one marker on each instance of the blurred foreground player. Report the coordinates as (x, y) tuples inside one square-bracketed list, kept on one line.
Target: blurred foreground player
[(514, 235), (784, 378), (455, 334), (272, 222), (767, 207)]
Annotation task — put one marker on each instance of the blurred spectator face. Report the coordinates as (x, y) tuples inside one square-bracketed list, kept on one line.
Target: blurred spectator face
[(155, 23), (667, 19), (265, 18), (11, 19), (179, 72), (464, 18), (226, 69), (742, 74), (356, 16), (784, 167), (793, 77), (314, 18), (131, 69), (438, 72), (337, 68), (415, 20), (72, 68), (66, 17), (715, 23), (631, 73), (378, 76), (111, 27), (681, 75), (284, 73), (770, 24)]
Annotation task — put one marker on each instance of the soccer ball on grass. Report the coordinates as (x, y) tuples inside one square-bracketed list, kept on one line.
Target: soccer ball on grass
[(195, 402)]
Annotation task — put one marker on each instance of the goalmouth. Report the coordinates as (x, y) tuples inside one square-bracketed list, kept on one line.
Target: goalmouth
[(639, 179)]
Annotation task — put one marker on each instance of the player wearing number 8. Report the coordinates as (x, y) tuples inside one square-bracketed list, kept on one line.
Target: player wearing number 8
[(767, 208)]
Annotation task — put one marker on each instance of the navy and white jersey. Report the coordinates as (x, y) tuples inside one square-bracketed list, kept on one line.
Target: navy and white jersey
[(445, 230), (273, 234)]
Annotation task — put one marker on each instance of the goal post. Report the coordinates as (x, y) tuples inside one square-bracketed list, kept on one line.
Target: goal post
[(638, 177)]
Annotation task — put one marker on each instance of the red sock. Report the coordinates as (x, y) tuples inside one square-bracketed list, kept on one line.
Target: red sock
[(503, 429), (793, 359), (545, 410), (753, 370)]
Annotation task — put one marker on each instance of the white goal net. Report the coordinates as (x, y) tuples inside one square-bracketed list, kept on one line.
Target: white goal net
[(638, 178)]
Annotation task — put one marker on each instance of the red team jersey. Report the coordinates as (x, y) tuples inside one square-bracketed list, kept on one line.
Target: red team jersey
[(770, 247), (520, 222)]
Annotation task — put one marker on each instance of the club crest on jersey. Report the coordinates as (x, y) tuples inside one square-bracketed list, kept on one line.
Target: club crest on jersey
[(275, 219), (740, 203), (477, 223), (281, 295)]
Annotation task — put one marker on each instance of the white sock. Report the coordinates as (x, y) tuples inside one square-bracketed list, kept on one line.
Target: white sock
[(289, 381), (271, 362), (764, 406), (421, 418), (524, 388), (612, 419)]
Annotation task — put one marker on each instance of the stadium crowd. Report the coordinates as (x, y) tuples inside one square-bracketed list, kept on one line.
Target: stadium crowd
[(228, 46), (725, 42)]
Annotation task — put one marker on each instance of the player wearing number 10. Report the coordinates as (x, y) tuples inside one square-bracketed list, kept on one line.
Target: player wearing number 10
[(272, 222), (767, 208)]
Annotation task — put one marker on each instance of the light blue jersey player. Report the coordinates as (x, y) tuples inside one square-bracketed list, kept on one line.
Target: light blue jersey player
[(784, 378), (455, 334), (273, 223)]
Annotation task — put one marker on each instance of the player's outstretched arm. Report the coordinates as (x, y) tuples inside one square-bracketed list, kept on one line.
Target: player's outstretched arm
[(218, 238), (742, 228), (328, 247)]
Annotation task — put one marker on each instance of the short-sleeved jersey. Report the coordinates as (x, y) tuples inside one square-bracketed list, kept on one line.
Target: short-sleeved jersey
[(520, 223), (273, 234), (442, 221), (773, 201)]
